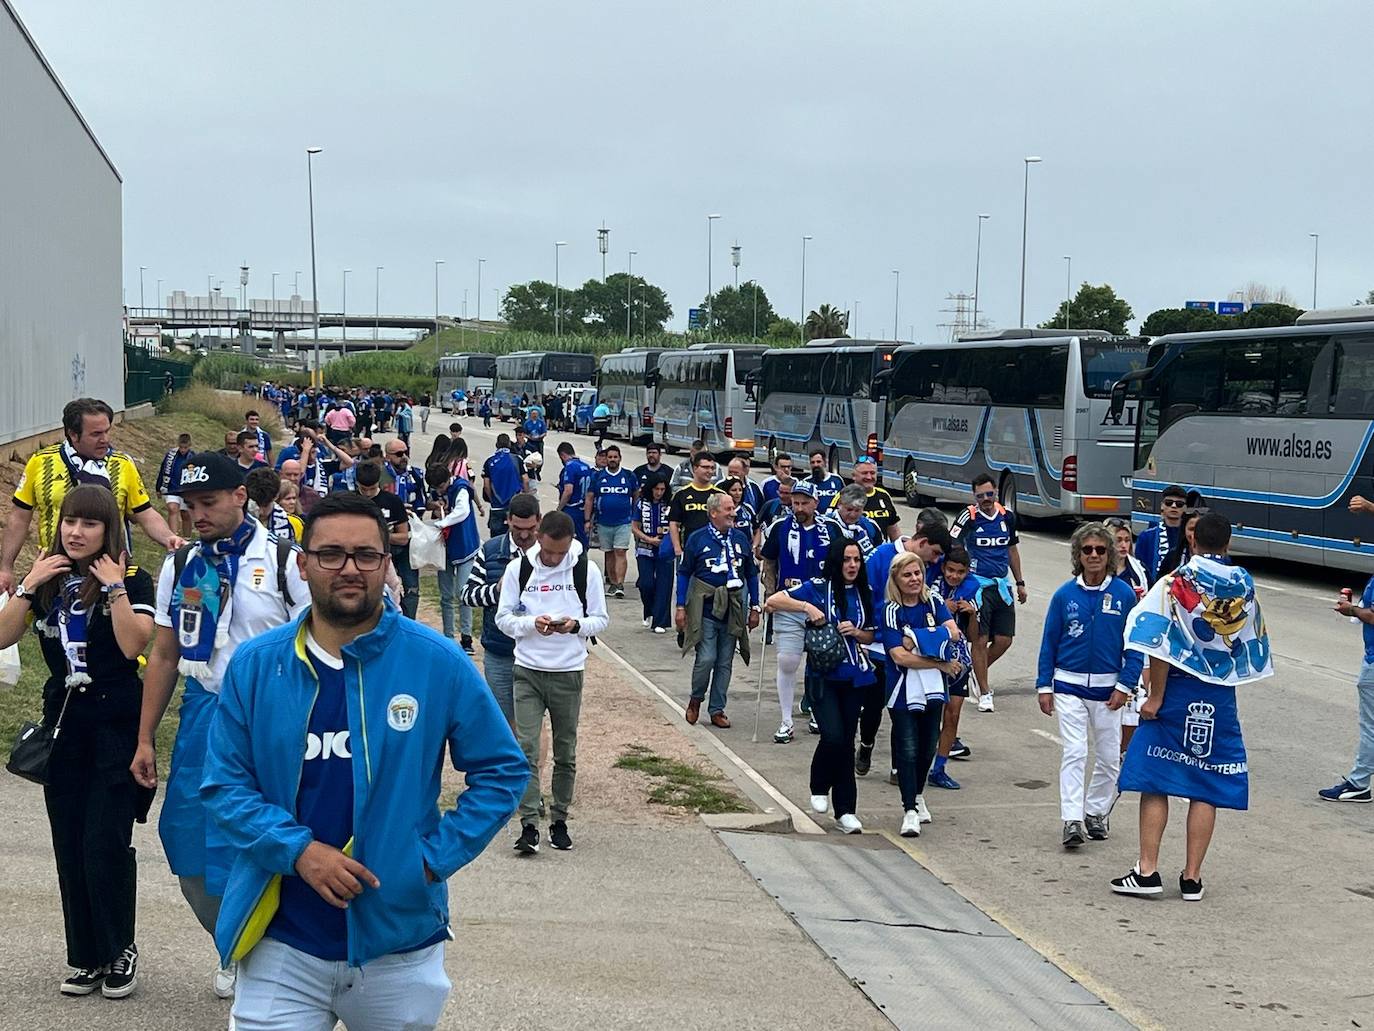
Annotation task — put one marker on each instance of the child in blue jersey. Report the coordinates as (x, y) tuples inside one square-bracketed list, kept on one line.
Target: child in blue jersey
[(610, 500), (918, 634), (959, 591), (841, 596), (1085, 676), (654, 556)]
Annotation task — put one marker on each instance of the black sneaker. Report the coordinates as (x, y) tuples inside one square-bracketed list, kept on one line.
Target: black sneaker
[(83, 982), (959, 750), (1190, 890), (558, 835), (123, 976), (1137, 883), (1098, 826), (528, 843), (864, 762), (812, 726), (467, 645), (1073, 834)]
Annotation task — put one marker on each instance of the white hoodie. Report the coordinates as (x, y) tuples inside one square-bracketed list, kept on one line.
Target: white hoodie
[(550, 592)]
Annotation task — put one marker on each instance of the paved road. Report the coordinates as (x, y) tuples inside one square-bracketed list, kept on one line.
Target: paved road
[(1280, 939)]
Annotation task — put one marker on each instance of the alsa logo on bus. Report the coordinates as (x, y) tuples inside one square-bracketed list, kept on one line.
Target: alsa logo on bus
[(949, 423), (1288, 447), (833, 412)]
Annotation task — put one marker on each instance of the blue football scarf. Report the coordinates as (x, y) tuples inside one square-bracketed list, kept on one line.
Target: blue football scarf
[(202, 600), (69, 623)]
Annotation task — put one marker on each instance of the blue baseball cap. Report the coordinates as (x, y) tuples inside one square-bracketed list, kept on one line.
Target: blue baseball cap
[(802, 488)]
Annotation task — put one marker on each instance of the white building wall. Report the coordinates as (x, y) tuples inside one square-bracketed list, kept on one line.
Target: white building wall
[(60, 248)]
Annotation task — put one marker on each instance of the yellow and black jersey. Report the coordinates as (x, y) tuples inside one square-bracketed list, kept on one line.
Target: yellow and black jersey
[(47, 479), (688, 508)]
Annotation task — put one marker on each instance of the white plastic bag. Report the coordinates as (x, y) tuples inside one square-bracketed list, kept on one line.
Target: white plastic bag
[(426, 545), (9, 657)]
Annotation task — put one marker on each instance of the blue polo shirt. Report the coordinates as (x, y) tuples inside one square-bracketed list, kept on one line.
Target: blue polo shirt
[(613, 495)]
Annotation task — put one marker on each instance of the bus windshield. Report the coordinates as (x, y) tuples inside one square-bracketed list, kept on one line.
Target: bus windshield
[(1106, 361)]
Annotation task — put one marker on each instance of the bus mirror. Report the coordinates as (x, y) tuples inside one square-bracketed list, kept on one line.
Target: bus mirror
[(751, 383), (1118, 400), (651, 379)]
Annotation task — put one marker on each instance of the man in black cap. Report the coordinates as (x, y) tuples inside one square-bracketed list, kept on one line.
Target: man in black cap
[(234, 583)]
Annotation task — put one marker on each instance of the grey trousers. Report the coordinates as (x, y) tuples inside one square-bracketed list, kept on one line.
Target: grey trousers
[(560, 695)]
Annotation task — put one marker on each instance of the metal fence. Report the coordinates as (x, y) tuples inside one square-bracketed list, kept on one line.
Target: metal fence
[(146, 377)]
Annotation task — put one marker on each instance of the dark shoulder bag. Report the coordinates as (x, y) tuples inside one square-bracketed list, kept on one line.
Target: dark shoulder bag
[(32, 754), (823, 644)]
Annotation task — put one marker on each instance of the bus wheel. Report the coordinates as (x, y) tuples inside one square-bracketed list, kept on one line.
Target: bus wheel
[(1006, 493), (910, 483)]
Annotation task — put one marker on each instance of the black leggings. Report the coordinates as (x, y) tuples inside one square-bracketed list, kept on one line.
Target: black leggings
[(915, 736), (836, 708)]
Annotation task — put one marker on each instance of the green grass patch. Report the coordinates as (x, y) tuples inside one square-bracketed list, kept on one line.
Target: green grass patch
[(680, 784)]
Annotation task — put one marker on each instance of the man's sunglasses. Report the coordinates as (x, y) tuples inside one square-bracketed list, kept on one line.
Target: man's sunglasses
[(986, 494), (1174, 503), (1093, 549)]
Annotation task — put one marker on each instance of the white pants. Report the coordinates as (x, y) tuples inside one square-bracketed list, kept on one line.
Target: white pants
[(283, 989), (789, 634), (1075, 715)]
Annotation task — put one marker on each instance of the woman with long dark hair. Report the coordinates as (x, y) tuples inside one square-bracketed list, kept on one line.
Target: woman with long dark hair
[(841, 596), (94, 615), (654, 556)]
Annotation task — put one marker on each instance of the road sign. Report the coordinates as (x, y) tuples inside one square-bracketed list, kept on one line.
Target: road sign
[(696, 318), (1201, 305), (1230, 307)]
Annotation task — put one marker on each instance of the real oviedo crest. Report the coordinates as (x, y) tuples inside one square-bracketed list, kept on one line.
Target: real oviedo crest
[(1198, 728)]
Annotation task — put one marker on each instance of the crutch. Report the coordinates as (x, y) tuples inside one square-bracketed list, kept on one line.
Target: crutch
[(763, 649)]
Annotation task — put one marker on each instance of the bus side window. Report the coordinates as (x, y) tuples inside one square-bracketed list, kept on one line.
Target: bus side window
[(1354, 389), (1305, 367)]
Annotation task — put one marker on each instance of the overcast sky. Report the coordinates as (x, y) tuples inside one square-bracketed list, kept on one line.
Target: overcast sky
[(1188, 147)]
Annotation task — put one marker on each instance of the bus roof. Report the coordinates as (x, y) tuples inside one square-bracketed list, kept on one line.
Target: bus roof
[(724, 346), (849, 342), (1031, 334), (639, 350), (1334, 316)]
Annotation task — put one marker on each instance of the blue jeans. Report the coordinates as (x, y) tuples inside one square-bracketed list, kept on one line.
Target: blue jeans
[(451, 581), (656, 587), (914, 737), (715, 659), (1364, 755), (410, 580), (500, 676)]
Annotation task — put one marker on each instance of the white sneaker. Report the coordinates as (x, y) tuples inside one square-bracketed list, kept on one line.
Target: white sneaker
[(921, 809), (911, 824), (985, 703), (660, 630), (648, 622), (225, 979), (849, 823), (783, 736), (820, 804)]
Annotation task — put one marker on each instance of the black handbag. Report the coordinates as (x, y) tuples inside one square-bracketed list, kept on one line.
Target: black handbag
[(31, 756), (825, 648)]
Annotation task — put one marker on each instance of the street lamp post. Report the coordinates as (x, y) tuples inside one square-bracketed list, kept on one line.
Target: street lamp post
[(141, 270), (629, 303), (377, 307), (710, 305), (243, 304), (159, 298), (803, 290), (345, 311), (1316, 240), (896, 295), (603, 244), (310, 152), (480, 263), (437, 263), (274, 294), (557, 308), (734, 260), (1068, 286), (978, 268), (755, 335), (1025, 197)]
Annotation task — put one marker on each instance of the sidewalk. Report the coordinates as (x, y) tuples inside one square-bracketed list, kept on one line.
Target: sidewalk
[(648, 922)]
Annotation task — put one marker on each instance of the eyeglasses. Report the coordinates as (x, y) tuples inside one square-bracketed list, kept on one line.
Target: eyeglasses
[(986, 494), (1093, 549), (367, 560), (1174, 503)]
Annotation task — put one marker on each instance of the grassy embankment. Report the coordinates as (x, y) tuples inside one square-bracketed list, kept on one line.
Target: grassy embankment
[(205, 414)]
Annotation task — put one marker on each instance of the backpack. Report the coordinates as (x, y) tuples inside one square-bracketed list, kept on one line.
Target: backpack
[(285, 548), (579, 573)]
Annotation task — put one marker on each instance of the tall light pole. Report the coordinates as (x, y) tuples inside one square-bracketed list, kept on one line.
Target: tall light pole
[(710, 313), (896, 296), (978, 268), (1068, 286), (141, 269), (803, 310), (437, 353), (345, 310), (159, 297), (1316, 240), (734, 260), (603, 244), (274, 294), (629, 302), (1025, 197), (318, 376), (480, 263), (243, 285), (854, 329), (755, 335), (557, 308), (377, 307)]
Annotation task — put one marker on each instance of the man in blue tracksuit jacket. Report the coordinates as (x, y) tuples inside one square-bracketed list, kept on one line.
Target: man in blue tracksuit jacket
[(323, 770), (1086, 675)]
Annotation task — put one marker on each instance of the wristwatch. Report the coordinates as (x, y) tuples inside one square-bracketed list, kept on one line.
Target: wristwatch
[(23, 592)]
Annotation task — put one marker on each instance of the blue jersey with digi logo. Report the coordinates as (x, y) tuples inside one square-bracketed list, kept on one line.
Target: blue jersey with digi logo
[(614, 496), (988, 538), (324, 803)]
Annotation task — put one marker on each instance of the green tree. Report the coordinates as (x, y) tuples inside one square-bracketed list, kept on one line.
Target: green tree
[(1094, 307), (530, 307), (783, 332), (601, 306), (1199, 320), (827, 322), (733, 311)]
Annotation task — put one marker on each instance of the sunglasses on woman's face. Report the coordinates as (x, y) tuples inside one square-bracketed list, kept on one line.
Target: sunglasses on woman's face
[(1093, 549)]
